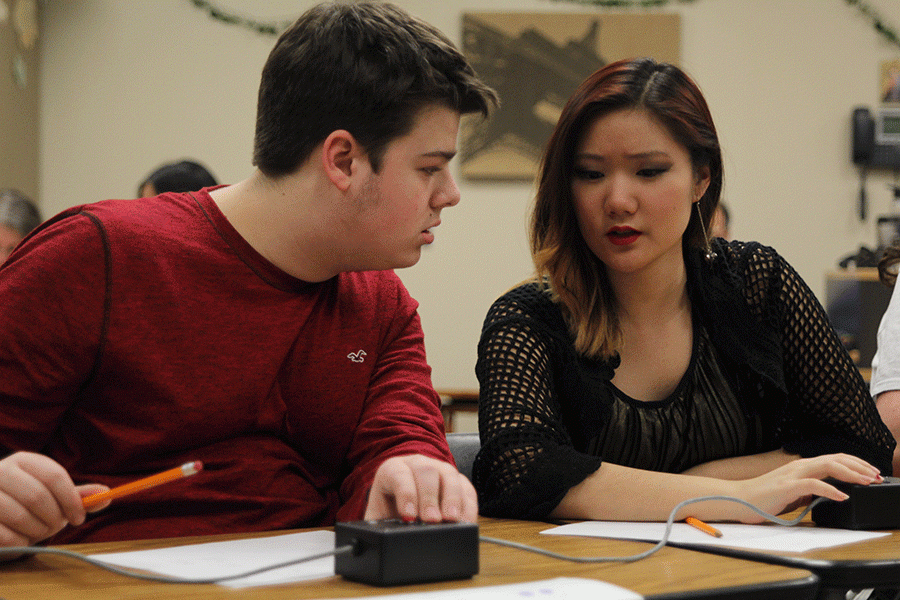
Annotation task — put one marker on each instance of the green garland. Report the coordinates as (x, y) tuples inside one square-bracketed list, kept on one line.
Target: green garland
[(878, 23), (886, 31), (625, 3), (217, 14), (880, 26)]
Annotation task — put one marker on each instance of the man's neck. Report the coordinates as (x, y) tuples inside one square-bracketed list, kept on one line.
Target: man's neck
[(276, 217)]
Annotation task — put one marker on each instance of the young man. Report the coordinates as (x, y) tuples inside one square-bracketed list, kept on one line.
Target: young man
[(257, 327)]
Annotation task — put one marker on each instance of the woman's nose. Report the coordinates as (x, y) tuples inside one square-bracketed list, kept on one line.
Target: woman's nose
[(619, 195)]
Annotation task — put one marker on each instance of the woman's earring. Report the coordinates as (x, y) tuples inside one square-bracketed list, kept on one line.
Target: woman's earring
[(709, 253)]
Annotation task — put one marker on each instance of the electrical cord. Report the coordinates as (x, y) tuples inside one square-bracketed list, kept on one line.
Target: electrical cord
[(665, 536), (34, 550), (19, 550)]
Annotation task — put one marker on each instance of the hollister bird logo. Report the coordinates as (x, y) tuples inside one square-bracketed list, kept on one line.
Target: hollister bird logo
[(357, 356)]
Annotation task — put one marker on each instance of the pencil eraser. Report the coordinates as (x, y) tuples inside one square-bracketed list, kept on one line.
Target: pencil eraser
[(191, 468)]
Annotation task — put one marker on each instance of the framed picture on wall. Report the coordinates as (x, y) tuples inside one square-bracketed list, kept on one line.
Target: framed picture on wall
[(890, 81), (535, 61)]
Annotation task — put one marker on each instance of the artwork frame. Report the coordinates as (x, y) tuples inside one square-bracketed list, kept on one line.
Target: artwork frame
[(535, 61)]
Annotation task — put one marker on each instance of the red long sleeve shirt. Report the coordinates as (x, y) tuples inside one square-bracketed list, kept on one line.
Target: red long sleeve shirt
[(137, 335)]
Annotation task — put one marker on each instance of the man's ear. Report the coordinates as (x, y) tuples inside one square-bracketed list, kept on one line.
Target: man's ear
[(340, 155)]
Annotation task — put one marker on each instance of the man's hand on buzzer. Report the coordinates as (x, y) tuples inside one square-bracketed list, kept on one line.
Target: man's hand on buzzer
[(417, 487)]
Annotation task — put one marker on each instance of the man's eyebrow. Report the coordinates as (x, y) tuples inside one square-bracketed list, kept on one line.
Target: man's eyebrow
[(446, 154)]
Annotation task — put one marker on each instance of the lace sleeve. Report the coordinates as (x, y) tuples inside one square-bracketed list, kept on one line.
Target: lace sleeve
[(829, 406), (527, 462)]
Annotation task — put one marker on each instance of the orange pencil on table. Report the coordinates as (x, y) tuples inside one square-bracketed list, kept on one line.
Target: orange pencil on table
[(704, 527), (185, 470)]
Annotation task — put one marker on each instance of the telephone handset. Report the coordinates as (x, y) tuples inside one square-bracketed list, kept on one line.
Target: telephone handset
[(863, 136)]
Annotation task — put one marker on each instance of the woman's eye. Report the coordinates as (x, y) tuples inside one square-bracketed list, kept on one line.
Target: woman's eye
[(652, 171), (589, 174)]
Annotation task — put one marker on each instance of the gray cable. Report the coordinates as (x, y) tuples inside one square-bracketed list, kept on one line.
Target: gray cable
[(662, 542), (18, 550)]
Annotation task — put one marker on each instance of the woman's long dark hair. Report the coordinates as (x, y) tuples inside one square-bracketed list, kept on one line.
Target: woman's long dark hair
[(577, 278)]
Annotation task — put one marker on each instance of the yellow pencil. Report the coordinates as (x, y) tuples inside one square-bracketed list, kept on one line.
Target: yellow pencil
[(184, 470), (705, 528)]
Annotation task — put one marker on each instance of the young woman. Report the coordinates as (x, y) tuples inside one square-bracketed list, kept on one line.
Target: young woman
[(647, 364)]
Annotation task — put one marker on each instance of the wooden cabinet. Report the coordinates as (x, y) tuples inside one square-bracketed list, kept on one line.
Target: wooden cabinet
[(855, 300)]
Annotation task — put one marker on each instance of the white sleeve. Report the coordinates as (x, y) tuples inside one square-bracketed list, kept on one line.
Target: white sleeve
[(886, 362)]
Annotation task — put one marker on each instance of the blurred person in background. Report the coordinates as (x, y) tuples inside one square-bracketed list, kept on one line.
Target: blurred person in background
[(18, 216), (181, 176), (720, 221)]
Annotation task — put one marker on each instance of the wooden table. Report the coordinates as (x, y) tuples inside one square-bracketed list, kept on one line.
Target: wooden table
[(671, 573), (869, 564)]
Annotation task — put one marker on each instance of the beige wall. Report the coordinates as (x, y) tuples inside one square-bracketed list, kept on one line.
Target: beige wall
[(19, 114), (127, 85)]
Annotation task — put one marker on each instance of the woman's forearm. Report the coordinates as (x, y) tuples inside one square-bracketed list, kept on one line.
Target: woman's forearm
[(617, 493), (743, 467)]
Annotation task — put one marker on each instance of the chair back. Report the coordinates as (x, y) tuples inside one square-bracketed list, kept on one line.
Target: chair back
[(464, 447)]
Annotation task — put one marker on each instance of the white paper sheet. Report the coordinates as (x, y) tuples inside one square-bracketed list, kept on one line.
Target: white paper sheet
[(220, 559), (563, 588), (751, 537)]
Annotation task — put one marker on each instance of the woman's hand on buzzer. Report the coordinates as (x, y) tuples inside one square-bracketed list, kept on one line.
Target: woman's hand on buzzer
[(793, 485)]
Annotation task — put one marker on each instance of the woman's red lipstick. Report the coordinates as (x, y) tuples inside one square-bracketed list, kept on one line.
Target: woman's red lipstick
[(622, 236)]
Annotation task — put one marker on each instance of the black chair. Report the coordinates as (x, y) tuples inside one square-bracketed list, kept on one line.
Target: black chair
[(464, 447)]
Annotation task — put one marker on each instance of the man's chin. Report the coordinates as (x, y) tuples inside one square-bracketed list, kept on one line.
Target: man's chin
[(409, 259), (408, 263), (397, 262)]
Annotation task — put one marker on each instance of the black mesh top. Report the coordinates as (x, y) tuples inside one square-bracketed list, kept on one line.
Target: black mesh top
[(702, 420), (767, 372)]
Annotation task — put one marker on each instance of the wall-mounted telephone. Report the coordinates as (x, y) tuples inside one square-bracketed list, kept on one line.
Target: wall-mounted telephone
[(876, 138), (875, 145)]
